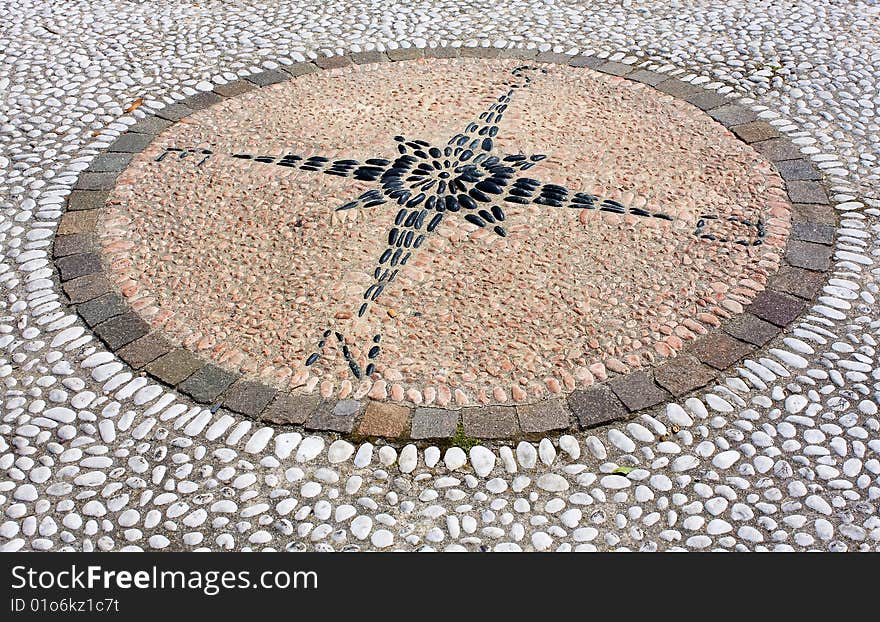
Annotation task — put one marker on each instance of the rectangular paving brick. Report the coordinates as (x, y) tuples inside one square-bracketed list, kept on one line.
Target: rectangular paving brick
[(202, 100), (490, 421), (333, 62), (236, 87), (175, 366), (207, 383), (131, 142), (84, 221), (751, 329), (797, 281), (586, 61), (707, 100), (595, 405), (101, 309), (776, 307), (122, 330), (96, 181), (150, 125), (434, 423), (678, 88), (335, 416), (777, 149), (144, 350), (445, 51), (644, 76), (79, 200), (806, 192), (812, 232), (732, 114), (543, 416), (385, 419), (614, 68), (797, 170), (86, 287), (405, 54), (807, 212), (248, 398), (479, 52), (110, 162), (74, 244), (683, 374), (637, 390), (719, 350), (300, 69), (808, 255), (755, 132), (518, 53), (270, 76), (374, 56), (174, 112), (74, 266), (290, 409)]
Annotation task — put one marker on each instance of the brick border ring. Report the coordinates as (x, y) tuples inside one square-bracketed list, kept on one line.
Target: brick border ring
[(807, 257)]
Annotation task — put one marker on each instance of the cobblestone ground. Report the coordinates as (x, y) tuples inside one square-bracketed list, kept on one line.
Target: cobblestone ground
[(782, 455)]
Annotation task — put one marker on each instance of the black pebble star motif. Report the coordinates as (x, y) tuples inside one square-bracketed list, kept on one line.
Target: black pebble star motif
[(465, 178)]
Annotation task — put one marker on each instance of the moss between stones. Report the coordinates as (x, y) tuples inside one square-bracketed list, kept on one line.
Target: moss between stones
[(460, 439)]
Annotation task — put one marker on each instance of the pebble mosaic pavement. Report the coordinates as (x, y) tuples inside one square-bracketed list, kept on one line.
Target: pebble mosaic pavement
[(475, 312), (780, 454)]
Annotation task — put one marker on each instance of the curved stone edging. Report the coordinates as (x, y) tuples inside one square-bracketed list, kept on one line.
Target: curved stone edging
[(800, 276)]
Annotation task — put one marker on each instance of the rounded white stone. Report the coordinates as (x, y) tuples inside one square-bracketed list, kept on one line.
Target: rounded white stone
[(526, 455), (339, 451), (482, 459), (455, 458)]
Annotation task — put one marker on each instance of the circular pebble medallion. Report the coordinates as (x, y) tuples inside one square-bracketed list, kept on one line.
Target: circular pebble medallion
[(469, 231)]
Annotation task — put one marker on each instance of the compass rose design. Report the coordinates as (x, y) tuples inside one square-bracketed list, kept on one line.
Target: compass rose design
[(466, 178)]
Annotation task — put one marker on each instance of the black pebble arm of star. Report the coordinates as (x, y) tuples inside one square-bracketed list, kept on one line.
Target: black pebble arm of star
[(527, 191), (479, 135), (371, 170)]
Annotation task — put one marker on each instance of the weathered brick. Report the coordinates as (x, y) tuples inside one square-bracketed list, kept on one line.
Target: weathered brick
[(79, 200), (755, 132), (101, 309), (121, 330), (74, 244), (719, 349), (637, 390), (775, 307), (732, 114), (131, 142), (270, 76), (434, 423), (86, 287), (808, 255), (752, 329), (335, 416), (596, 405), (207, 383), (385, 419), (78, 222), (248, 398), (683, 374), (144, 350), (542, 416), (490, 421), (797, 281), (175, 366), (290, 409), (74, 266)]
